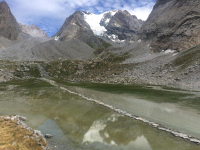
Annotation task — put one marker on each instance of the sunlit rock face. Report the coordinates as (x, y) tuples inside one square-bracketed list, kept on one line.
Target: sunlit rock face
[(33, 30), (173, 24)]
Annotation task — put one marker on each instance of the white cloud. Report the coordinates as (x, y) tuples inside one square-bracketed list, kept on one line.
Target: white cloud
[(50, 14), (142, 12)]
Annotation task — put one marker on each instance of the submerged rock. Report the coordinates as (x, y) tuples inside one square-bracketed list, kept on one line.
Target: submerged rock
[(48, 135)]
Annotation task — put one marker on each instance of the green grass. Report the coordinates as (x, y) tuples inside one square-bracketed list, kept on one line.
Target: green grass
[(34, 72), (188, 57), (110, 57), (142, 92), (102, 45), (29, 83)]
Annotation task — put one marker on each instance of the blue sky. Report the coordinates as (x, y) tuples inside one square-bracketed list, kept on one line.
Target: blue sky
[(49, 15)]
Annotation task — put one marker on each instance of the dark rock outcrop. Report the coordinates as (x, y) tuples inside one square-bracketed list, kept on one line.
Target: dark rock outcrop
[(124, 25), (173, 24), (121, 27), (9, 28), (75, 27)]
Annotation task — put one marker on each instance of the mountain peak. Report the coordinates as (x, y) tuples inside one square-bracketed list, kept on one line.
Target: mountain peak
[(4, 7), (4, 3), (9, 28)]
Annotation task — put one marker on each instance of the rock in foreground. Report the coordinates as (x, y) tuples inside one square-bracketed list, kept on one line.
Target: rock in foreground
[(17, 135)]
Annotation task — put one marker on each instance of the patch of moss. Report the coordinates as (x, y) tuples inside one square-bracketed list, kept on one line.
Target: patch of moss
[(34, 72), (114, 58), (188, 57), (100, 50), (99, 44)]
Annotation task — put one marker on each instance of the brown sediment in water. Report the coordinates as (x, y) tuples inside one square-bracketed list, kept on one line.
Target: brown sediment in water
[(15, 135)]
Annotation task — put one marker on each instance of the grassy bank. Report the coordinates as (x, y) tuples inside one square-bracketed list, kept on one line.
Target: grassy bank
[(14, 136)]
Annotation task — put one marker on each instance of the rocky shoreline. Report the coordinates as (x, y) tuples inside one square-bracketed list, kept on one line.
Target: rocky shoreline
[(33, 137), (117, 110)]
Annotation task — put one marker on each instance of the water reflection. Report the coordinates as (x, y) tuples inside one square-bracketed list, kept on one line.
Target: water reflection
[(98, 133), (79, 124), (93, 134), (172, 115)]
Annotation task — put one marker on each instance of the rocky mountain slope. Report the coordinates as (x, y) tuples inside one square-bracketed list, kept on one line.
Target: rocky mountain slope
[(121, 26), (115, 26), (173, 24), (75, 27), (46, 49), (32, 30), (9, 28), (171, 27)]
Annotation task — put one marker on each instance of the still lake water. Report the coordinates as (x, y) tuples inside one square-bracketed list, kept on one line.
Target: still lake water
[(78, 124)]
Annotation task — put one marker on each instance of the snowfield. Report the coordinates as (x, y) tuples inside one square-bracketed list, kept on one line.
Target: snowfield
[(94, 21)]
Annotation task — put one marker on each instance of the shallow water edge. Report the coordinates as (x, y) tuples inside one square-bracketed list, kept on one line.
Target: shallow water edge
[(153, 124)]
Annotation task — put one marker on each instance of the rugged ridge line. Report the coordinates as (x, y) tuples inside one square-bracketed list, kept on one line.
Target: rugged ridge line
[(122, 27), (75, 27)]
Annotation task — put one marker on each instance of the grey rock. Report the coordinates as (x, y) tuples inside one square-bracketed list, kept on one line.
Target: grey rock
[(48, 136), (9, 28), (33, 30), (173, 24), (75, 27), (123, 25)]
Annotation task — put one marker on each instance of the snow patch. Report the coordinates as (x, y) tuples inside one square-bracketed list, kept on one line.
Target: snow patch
[(73, 24), (113, 12), (94, 22), (169, 51), (139, 41), (56, 38), (115, 38), (107, 21), (174, 54)]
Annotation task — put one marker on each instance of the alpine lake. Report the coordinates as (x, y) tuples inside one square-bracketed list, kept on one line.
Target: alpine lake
[(78, 124)]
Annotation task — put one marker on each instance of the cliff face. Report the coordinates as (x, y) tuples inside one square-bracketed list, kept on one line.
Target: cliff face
[(33, 30), (75, 27), (115, 26), (9, 28), (173, 24), (124, 25), (121, 27)]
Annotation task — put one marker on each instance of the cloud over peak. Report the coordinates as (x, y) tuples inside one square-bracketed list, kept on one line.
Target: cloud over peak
[(49, 15)]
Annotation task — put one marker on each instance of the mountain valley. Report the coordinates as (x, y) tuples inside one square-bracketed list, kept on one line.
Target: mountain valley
[(106, 81), (114, 37)]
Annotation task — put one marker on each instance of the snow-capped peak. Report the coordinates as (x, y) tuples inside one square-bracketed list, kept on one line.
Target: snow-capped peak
[(94, 21), (113, 12)]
